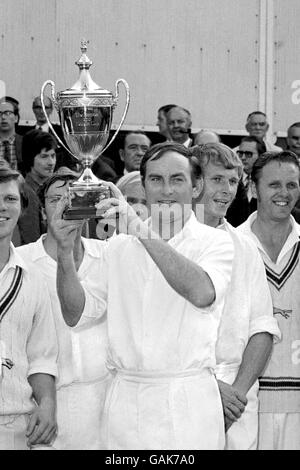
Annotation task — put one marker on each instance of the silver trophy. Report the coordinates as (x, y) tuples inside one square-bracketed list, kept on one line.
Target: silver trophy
[(85, 112)]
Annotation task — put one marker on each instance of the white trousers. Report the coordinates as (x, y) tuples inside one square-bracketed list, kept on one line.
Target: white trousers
[(13, 433), (279, 431), (163, 412), (79, 412), (243, 434)]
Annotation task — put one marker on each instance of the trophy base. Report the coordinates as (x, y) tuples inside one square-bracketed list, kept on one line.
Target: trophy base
[(82, 200)]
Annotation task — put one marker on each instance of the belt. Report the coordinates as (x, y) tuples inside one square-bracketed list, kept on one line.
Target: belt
[(157, 376)]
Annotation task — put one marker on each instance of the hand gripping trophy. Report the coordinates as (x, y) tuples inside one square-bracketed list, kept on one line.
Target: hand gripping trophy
[(85, 111)]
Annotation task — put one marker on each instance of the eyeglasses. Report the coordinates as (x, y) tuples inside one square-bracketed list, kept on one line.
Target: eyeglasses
[(6, 113), (247, 153)]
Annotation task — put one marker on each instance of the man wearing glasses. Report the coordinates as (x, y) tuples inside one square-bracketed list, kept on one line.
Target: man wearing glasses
[(10, 141), (244, 204)]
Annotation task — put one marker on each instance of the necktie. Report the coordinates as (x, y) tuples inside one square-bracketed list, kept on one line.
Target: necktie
[(6, 150)]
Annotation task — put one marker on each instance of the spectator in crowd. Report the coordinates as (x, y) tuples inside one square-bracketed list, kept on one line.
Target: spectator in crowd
[(206, 137), (179, 123), (10, 141), (275, 179), (28, 345), (257, 125), (163, 317), (135, 145), (162, 120), (63, 158), (244, 203), (83, 377), (39, 163), (247, 324), (293, 138), (39, 157), (41, 121)]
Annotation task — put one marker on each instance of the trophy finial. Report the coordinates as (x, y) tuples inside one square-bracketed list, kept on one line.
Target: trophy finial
[(84, 62), (84, 44)]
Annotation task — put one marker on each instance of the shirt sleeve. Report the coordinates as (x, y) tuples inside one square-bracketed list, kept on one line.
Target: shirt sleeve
[(261, 308), (42, 346), (95, 287), (216, 260)]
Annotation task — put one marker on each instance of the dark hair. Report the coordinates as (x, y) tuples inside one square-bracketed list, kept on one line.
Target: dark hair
[(296, 124), (260, 145), (166, 108), (14, 103), (217, 153), (33, 143), (158, 150), (6, 175), (43, 189), (281, 157), (138, 131), (254, 113)]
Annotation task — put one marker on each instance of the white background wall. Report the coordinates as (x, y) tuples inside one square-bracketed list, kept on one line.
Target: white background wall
[(205, 55)]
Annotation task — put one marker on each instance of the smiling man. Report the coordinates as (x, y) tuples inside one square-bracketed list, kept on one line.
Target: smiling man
[(179, 123), (275, 179), (83, 376), (28, 346), (163, 285), (247, 323)]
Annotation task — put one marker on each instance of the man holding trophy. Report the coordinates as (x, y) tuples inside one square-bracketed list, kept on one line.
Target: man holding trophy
[(162, 283)]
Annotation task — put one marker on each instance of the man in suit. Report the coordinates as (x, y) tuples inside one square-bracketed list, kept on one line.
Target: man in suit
[(293, 138), (162, 120), (179, 125), (244, 204), (10, 141)]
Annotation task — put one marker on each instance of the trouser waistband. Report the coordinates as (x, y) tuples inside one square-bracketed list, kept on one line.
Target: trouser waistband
[(161, 376)]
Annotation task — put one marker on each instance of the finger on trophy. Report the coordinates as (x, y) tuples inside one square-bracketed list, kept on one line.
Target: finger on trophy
[(114, 190), (61, 206)]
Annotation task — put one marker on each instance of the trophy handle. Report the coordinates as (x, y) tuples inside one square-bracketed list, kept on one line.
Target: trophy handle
[(52, 84), (120, 80)]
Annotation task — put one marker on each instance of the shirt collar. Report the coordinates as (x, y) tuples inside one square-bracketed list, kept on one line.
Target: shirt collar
[(187, 142), (15, 259), (45, 127), (91, 247), (291, 240), (11, 139)]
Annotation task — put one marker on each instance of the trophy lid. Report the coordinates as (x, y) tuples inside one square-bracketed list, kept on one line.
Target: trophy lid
[(85, 84)]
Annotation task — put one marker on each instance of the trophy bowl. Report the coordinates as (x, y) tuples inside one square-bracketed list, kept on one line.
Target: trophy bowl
[(85, 112)]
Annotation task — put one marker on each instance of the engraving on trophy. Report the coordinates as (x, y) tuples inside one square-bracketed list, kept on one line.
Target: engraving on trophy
[(85, 111)]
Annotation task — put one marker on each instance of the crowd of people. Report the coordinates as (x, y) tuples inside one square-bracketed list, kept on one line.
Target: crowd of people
[(175, 324)]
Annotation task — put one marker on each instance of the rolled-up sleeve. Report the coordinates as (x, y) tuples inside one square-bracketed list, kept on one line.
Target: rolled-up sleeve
[(216, 261), (95, 289), (261, 307)]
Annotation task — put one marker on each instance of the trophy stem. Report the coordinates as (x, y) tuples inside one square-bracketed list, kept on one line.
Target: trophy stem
[(87, 178)]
